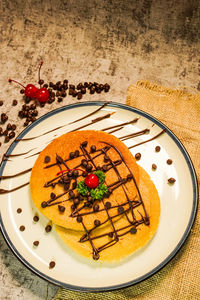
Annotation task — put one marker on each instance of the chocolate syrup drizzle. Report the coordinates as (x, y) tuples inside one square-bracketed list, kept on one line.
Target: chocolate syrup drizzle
[(127, 206)]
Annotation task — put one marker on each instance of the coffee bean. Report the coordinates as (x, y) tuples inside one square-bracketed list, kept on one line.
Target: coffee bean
[(83, 90), (133, 230), (106, 158), (154, 167), (5, 133), (6, 139), (33, 106), (69, 173), (47, 159), (93, 148), (9, 126), (84, 144), (157, 148), (14, 103), (108, 205), (72, 155), (44, 204), (1, 131), (75, 173), (75, 93), (76, 153), (60, 99), (138, 156), (22, 91), (89, 168), (84, 173), (53, 196), (74, 185), (52, 264), (120, 209), (35, 218), (48, 228), (61, 208), (76, 201), (4, 117), (35, 113), (19, 210), (11, 135), (171, 180), (92, 90), (14, 127), (36, 243), (66, 186), (110, 234), (79, 219), (169, 161), (22, 228), (96, 208), (79, 95), (41, 81), (129, 177), (1, 102), (71, 194), (84, 163), (97, 222), (104, 168), (45, 86)]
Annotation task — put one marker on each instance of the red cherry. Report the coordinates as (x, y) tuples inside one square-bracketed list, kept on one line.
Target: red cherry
[(42, 95), (92, 181), (30, 91)]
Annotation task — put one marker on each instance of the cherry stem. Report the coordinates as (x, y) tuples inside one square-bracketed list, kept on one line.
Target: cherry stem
[(10, 80), (39, 72), (63, 171)]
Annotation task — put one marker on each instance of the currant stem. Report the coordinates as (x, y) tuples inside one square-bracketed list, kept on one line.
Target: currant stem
[(10, 80), (39, 72)]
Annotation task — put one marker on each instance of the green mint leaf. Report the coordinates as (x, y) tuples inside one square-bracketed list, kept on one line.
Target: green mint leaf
[(101, 176), (82, 188)]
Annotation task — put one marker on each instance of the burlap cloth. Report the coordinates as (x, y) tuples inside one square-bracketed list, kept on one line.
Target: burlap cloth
[(179, 279)]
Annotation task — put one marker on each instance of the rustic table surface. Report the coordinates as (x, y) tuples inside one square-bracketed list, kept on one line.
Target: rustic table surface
[(114, 42)]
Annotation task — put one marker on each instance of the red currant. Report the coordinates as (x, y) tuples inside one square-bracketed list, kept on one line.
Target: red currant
[(42, 95), (31, 91), (92, 181)]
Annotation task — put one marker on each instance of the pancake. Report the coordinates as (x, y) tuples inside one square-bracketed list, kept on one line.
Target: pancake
[(55, 194), (131, 236)]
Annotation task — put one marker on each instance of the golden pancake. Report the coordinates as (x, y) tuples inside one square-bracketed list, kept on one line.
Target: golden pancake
[(64, 163), (131, 236)]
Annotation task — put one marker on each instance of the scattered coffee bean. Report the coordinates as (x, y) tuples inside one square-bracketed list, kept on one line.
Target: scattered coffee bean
[(53, 196), (97, 222), (133, 230), (84, 163), (76, 201), (35, 218), (19, 210), (9, 126), (14, 127), (22, 228), (77, 153), (96, 208), (14, 103), (104, 168), (154, 167), (108, 205), (110, 234), (120, 209), (93, 148), (169, 161), (157, 148), (84, 144), (52, 264), (41, 81), (138, 156), (84, 173), (61, 208), (36, 243), (11, 135), (71, 194), (75, 173), (6, 139), (48, 228), (79, 219), (89, 168), (44, 204), (22, 91), (72, 155), (1, 102), (5, 133), (4, 117), (129, 177), (47, 159), (171, 180)]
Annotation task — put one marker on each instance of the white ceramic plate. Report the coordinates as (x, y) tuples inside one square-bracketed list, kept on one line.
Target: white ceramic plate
[(178, 202)]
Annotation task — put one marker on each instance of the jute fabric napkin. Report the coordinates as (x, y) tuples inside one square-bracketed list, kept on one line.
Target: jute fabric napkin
[(179, 279)]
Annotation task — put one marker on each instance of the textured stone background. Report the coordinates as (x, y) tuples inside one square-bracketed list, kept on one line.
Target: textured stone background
[(118, 42)]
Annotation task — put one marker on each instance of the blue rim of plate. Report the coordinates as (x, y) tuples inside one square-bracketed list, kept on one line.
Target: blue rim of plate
[(165, 261)]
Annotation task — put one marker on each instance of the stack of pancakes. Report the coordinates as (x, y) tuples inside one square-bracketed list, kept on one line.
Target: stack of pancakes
[(127, 216)]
